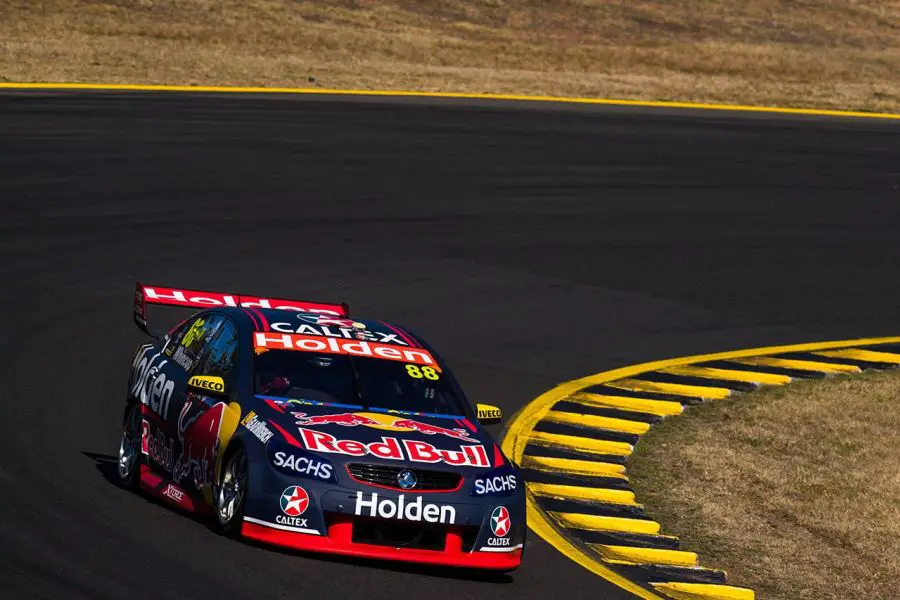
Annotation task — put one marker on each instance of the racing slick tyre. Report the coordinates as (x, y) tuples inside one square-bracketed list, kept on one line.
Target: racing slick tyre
[(128, 470), (231, 493)]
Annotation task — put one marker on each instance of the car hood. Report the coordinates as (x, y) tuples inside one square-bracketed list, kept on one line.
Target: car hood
[(348, 433)]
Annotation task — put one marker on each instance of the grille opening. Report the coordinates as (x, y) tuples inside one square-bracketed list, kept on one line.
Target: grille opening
[(398, 534), (386, 476), (469, 535), (401, 534)]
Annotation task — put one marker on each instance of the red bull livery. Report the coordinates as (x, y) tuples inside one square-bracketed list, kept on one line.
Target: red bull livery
[(292, 423)]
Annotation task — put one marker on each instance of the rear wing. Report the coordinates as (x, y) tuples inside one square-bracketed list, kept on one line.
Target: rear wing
[(146, 294)]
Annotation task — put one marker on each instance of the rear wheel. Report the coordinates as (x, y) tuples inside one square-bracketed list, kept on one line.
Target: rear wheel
[(231, 493), (128, 470)]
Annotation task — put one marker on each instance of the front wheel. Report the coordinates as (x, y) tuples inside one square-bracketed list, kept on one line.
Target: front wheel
[(231, 493), (128, 472)]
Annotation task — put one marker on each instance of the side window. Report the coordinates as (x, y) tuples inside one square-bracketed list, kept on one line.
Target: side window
[(221, 353), (185, 346)]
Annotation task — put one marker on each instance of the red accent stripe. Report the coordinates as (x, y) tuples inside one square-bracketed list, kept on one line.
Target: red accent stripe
[(467, 424), (262, 318), (498, 456), (149, 414), (409, 335), (175, 328), (339, 541), (291, 439), (272, 404), (256, 323), (403, 335)]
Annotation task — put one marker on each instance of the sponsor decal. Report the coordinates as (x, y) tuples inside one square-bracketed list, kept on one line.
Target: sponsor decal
[(500, 526), (174, 492), (159, 447), (382, 421), (489, 412), (257, 427), (139, 314), (177, 297), (198, 440), (183, 358), (294, 502), (282, 527), (263, 341), (198, 432), (414, 510), (496, 485), (339, 328), (293, 461), (326, 320), (393, 449), (149, 385), (195, 333), (207, 382), (343, 419)]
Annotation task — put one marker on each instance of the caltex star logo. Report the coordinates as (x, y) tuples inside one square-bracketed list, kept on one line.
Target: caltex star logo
[(500, 522), (294, 501)]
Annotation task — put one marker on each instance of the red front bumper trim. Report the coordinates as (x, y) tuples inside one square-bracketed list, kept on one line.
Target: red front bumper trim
[(339, 541)]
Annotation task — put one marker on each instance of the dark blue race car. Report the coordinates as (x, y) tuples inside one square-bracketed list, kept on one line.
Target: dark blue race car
[(290, 423)]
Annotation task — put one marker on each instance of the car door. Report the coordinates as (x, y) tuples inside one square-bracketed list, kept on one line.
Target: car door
[(206, 420), (162, 387)]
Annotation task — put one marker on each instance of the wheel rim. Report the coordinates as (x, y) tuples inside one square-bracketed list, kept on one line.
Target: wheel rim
[(232, 488), (128, 446)]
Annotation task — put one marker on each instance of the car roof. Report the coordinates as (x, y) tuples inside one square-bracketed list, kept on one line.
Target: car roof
[(289, 321)]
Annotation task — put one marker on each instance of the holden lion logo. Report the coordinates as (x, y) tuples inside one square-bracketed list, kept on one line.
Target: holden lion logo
[(294, 501), (407, 480), (500, 521)]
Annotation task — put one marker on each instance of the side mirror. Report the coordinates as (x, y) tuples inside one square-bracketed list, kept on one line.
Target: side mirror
[(206, 384), (488, 415)]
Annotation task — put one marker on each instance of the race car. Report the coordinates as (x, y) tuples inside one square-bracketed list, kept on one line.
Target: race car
[(290, 423)]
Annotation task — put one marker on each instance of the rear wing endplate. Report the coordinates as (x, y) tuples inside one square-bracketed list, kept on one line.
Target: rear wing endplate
[(147, 294)]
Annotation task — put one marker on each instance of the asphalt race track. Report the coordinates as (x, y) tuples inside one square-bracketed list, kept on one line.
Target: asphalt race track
[(530, 244)]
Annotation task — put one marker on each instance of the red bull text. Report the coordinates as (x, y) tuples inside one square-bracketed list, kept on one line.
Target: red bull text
[(393, 449)]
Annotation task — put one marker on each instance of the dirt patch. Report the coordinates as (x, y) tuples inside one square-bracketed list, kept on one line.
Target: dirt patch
[(795, 491), (829, 53)]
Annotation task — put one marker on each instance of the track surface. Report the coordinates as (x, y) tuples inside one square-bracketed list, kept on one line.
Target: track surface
[(529, 245)]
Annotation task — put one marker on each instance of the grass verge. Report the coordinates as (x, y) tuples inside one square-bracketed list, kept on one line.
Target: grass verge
[(826, 54), (795, 491)]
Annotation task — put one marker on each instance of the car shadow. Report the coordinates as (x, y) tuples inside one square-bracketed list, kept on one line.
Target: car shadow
[(443, 572), (107, 464)]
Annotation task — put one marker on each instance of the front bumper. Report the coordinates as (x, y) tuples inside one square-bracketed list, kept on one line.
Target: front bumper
[(330, 512), (339, 540)]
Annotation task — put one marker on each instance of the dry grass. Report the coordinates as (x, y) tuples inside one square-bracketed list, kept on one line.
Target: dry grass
[(825, 53), (794, 491)]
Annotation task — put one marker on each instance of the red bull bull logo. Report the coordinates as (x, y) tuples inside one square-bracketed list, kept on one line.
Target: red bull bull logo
[(383, 421), (344, 419), (428, 429)]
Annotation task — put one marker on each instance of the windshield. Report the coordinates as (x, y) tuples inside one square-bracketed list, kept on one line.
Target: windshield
[(372, 383)]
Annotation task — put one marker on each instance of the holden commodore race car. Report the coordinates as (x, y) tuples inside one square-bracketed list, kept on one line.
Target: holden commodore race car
[(290, 423)]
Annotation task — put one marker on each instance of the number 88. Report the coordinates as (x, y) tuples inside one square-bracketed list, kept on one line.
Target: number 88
[(418, 373)]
